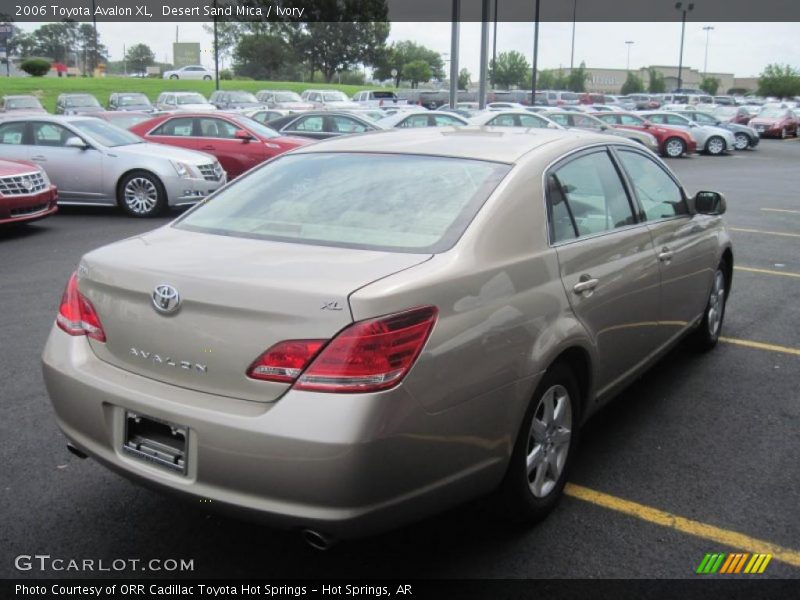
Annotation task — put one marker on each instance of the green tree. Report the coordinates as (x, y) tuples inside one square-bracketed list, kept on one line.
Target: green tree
[(402, 53), (633, 84), (417, 71), (464, 79), (52, 40), (139, 57), (656, 84), (710, 85), (228, 34), (510, 69), (266, 57), (549, 79), (781, 81), (576, 80)]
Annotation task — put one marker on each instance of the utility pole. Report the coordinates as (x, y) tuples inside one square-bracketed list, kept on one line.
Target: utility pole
[(454, 32), (484, 52), (216, 49), (629, 43), (494, 39), (688, 8), (535, 53), (572, 51), (707, 29)]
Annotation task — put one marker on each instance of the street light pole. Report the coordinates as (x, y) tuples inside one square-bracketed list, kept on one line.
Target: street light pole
[(484, 52), (680, 7), (628, 43), (494, 40), (216, 49), (454, 34), (535, 53), (572, 48), (707, 29)]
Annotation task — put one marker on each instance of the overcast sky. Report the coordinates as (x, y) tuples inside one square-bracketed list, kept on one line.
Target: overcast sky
[(743, 49)]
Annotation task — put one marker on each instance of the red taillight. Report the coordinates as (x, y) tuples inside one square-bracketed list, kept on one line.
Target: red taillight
[(76, 315), (370, 355), (367, 356), (284, 361)]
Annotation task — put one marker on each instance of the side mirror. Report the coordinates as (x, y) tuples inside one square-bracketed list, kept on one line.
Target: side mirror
[(647, 124), (243, 135), (708, 203), (76, 142)]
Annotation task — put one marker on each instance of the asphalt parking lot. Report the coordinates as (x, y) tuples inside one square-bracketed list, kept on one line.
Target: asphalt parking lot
[(711, 439)]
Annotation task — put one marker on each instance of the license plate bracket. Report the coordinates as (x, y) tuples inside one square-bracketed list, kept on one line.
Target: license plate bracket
[(156, 441)]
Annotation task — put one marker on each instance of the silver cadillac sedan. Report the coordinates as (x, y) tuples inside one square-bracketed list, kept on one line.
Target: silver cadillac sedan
[(365, 331), (95, 163)]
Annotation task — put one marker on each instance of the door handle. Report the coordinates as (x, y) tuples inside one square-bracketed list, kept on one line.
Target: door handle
[(39, 158), (586, 284), (665, 255)]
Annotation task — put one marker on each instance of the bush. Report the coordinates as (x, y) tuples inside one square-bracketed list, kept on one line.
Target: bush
[(36, 67), (226, 74)]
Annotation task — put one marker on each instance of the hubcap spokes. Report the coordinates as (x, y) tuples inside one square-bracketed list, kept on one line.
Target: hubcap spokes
[(716, 303), (141, 195), (548, 440), (674, 148)]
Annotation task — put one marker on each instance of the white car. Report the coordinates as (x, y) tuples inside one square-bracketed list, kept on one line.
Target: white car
[(513, 118), (183, 102), (190, 72), (329, 100)]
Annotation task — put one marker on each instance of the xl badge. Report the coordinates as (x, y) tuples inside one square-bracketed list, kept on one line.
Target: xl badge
[(166, 299)]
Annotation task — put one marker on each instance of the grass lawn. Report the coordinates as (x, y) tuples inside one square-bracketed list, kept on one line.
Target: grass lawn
[(48, 88)]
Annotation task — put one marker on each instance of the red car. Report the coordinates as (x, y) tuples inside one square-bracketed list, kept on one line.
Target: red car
[(239, 142), (672, 142), (26, 193), (775, 122)]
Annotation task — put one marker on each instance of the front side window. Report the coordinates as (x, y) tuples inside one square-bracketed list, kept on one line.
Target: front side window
[(308, 124), (659, 195), (593, 197), (389, 202), (532, 121), (12, 133), (560, 118), (181, 127), (50, 134), (631, 120), (415, 121), (217, 128), (345, 125), (502, 121)]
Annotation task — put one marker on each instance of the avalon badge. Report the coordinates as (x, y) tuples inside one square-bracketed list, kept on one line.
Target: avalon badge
[(166, 299)]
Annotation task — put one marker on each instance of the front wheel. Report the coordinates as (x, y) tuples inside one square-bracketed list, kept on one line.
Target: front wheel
[(706, 335), (206, 77), (741, 141), (674, 147), (783, 133), (545, 444), (715, 146), (141, 194), (173, 76)]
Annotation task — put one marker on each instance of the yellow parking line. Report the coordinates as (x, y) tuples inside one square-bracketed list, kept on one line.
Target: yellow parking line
[(767, 271), (761, 346), (781, 233), (782, 210), (726, 537)]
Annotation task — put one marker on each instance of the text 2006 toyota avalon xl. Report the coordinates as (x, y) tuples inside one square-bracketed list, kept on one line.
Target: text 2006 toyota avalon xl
[(371, 329)]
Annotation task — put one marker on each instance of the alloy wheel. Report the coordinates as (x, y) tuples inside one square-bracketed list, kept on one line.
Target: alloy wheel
[(715, 146), (716, 304), (741, 141), (674, 148), (549, 441), (141, 195)]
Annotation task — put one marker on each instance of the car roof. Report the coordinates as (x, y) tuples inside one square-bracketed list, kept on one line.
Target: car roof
[(488, 115), (52, 118), (12, 96), (498, 144)]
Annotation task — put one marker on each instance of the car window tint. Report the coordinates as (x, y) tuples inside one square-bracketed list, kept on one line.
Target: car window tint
[(12, 133), (676, 120), (307, 124), (345, 125), (175, 127), (217, 128), (532, 121), (659, 195), (561, 119), (630, 120), (595, 195), (50, 134)]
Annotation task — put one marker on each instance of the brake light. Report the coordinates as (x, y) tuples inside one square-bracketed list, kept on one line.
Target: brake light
[(370, 355), (76, 315), (284, 361)]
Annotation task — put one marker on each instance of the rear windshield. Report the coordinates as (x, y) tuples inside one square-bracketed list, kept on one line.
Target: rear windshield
[(396, 203), (192, 99), (23, 103), (80, 101)]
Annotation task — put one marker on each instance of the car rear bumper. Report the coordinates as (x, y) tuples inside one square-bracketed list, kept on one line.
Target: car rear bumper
[(15, 209), (344, 465)]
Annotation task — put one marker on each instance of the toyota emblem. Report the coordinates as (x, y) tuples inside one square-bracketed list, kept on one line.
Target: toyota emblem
[(166, 299)]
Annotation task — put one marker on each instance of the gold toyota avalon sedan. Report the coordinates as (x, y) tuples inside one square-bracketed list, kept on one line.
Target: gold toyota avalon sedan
[(371, 329)]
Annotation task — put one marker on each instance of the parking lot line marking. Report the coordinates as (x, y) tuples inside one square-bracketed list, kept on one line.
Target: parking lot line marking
[(780, 233), (761, 346), (767, 271), (726, 537), (782, 210)]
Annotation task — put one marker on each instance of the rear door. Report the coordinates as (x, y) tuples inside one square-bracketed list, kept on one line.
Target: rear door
[(177, 131), (685, 245), (607, 261)]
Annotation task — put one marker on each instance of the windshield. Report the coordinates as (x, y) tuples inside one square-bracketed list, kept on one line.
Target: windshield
[(106, 134), (772, 113), (334, 97), (390, 202), (258, 128), (23, 103), (192, 99), (126, 120), (133, 99), (79, 101), (287, 97), (242, 97)]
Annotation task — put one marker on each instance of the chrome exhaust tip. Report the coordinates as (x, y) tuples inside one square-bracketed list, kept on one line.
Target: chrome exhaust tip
[(73, 450), (317, 540)]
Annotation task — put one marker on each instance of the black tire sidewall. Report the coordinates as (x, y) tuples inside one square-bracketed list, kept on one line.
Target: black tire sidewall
[(702, 338), (161, 204)]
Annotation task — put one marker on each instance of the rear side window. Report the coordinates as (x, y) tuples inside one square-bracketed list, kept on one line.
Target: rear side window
[(12, 133), (586, 197), (181, 127), (400, 203), (659, 195)]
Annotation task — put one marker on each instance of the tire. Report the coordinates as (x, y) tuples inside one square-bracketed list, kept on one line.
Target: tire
[(715, 146), (173, 77), (783, 133), (674, 147), (741, 141), (141, 194), (706, 336), (206, 77), (549, 437)]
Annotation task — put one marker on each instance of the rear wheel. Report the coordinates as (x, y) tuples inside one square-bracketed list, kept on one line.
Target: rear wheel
[(674, 147), (206, 77), (783, 133), (741, 141), (545, 444), (706, 335), (173, 76), (141, 194), (715, 145)]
